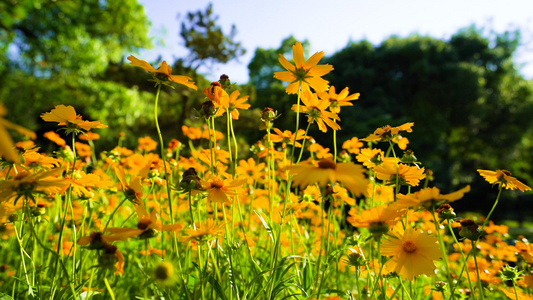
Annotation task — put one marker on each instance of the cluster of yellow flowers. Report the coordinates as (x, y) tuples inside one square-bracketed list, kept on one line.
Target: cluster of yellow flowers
[(377, 218)]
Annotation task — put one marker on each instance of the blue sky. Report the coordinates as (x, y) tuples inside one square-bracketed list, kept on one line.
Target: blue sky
[(330, 25)]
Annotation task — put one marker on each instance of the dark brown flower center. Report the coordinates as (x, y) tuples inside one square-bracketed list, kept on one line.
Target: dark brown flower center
[(217, 184), (409, 247), (327, 164)]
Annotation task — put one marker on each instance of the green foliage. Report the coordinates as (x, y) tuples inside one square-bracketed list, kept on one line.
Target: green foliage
[(206, 40), (72, 37)]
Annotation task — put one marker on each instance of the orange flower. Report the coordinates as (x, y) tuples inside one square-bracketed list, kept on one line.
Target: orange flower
[(146, 144), (83, 150), (338, 100), (54, 137), (350, 175), (316, 112), (303, 73), (90, 136), (387, 132), (504, 178), (286, 137), (66, 115), (231, 104), (218, 188), (353, 145), (164, 72), (251, 170), (373, 157)]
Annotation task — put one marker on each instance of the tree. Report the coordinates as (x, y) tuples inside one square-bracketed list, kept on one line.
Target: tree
[(206, 40)]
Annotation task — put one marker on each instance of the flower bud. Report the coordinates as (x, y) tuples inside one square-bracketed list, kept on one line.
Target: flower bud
[(470, 230)]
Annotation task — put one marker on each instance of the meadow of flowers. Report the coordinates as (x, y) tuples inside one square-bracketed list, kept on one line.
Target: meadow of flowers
[(291, 219)]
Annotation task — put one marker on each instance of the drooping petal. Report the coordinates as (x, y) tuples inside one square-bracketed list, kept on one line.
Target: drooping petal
[(134, 61)]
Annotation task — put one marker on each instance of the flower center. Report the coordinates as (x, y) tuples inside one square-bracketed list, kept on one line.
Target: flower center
[(142, 225), (217, 184), (409, 247), (327, 164)]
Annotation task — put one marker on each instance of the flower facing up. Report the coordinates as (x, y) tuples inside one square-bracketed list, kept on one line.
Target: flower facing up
[(412, 251), (388, 133), (316, 112), (304, 73), (338, 100), (218, 188), (327, 171), (66, 116), (504, 178), (164, 72)]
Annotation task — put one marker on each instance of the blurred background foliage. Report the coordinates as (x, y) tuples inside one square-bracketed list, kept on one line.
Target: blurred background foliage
[(471, 107)]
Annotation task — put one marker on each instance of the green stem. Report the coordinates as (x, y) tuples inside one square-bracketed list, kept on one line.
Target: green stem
[(464, 260)]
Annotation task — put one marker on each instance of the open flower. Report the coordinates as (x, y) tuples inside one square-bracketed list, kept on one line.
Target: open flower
[(316, 112), (430, 196), (407, 175), (504, 178), (387, 133), (304, 73), (327, 171), (27, 185), (412, 251), (286, 137), (218, 188), (338, 100), (66, 115), (204, 232), (164, 72), (147, 227), (231, 103), (377, 219)]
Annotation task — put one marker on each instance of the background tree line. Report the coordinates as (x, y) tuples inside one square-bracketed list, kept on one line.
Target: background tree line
[(470, 105)]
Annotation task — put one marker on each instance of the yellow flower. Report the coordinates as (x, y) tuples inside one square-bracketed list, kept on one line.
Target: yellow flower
[(147, 227), (132, 190), (251, 170), (373, 157), (379, 216), (338, 100), (7, 149), (27, 185), (218, 188), (387, 132), (304, 73), (412, 251), (430, 196), (231, 103), (352, 145), (327, 171), (204, 232), (407, 175), (66, 115), (164, 72), (504, 178), (286, 137), (316, 112)]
